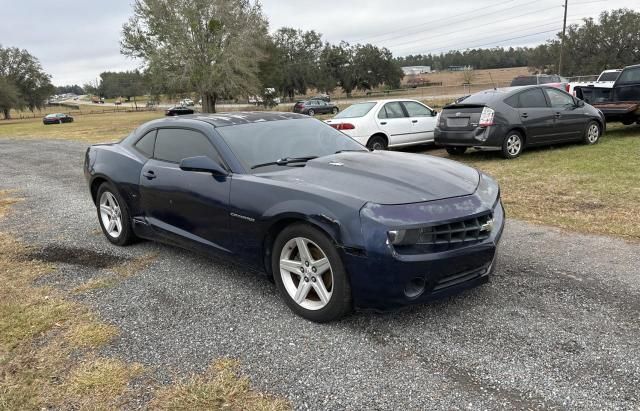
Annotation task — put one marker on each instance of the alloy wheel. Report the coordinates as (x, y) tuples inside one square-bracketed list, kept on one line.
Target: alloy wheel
[(593, 133), (514, 144), (110, 214), (306, 273)]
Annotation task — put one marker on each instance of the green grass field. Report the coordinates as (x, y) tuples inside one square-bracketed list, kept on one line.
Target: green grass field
[(590, 189)]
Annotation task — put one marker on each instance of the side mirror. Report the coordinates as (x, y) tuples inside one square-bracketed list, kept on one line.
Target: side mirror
[(580, 103), (202, 164), (434, 113)]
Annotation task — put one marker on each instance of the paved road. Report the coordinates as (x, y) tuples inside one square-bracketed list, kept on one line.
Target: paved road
[(558, 326)]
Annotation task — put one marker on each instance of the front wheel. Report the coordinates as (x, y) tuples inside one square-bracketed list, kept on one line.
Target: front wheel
[(592, 134), (513, 145), (113, 216), (310, 275), (311, 113), (335, 110), (456, 151)]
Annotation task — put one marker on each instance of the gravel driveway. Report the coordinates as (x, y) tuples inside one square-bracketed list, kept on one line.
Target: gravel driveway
[(557, 327)]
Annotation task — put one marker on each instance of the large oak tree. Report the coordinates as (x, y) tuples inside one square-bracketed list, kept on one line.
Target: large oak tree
[(212, 46)]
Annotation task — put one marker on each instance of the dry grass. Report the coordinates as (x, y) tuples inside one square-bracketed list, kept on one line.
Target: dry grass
[(594, 189), (220, 388), (90, 128), (48, 349)]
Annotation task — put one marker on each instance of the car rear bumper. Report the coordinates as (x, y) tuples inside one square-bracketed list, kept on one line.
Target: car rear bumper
[(482, 137), (386, 281)]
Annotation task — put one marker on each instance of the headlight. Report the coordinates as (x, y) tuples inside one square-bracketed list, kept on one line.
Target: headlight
[(488, 190), (411, 236)]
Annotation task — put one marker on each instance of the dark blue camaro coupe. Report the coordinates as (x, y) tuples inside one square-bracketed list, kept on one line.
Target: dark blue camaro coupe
[(335, 225)]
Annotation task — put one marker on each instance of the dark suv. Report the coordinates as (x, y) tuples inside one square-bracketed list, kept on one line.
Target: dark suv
[(313, 107), (552, 80), (513, 118)]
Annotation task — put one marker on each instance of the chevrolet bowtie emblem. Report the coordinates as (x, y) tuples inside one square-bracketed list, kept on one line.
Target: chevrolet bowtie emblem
[(487, 227)]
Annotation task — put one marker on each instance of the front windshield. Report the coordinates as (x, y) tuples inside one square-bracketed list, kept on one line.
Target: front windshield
[(268, 141), (356, 110)]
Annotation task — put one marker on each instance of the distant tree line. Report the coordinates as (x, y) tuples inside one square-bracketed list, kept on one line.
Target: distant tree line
[(69, 89), (613, 41), (23, 83)]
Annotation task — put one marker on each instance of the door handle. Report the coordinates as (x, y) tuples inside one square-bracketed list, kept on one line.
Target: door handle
[(384, 123), (149, 174), (558, 115), (414, 121), (524, 115)]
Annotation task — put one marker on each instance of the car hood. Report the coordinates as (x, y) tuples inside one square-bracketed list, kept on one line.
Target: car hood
[(383, 177)]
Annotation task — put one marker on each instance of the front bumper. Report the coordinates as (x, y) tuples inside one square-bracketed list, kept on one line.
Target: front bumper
[(385, 280)]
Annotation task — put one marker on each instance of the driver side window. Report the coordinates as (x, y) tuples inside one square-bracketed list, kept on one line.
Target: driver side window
[(559, 99), (175, 144)]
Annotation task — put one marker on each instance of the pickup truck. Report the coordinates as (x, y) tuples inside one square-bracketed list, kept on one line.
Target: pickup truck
[(604, 80), (619, 103)]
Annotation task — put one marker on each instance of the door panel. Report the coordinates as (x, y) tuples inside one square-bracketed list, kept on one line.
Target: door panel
[(536, 116), (190, 208), (393, 120), (569, 119), (423, 120)]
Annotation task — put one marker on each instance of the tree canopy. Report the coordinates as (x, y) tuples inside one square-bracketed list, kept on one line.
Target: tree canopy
[(23, 83), (211, 46)]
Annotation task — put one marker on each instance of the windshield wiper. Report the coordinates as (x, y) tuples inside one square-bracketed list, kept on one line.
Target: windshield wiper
[(285, 161)]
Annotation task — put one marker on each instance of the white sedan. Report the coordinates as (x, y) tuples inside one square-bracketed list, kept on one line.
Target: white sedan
[(387, 123)]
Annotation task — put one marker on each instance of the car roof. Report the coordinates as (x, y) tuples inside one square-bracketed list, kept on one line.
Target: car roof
[(234, 118), (387, 100)]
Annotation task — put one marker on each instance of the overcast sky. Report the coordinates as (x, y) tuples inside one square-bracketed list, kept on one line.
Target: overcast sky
[(76, 40)]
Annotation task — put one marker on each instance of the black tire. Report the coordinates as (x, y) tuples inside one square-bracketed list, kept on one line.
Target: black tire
[(512, 145), (592, 133), (126, 235), (339, 303), (335, 110), (311, 112), (377, 142), (456, 151)]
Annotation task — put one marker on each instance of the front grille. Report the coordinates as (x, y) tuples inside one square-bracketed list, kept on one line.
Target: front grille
[(455, 234)]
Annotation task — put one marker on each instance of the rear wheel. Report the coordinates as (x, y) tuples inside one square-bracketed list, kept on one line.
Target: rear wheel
[(456, 151), (311, 112), (377, 142), (310, 275), (335, 110), (592, 134), (113, 216), (513, 145)]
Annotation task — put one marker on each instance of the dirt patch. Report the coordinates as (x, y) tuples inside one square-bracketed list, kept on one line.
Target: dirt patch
[(75, 256)]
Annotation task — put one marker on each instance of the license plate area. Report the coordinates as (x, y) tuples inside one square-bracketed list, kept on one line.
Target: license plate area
[(457, 121)]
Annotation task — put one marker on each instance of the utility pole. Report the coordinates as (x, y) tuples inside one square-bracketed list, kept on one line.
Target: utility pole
[(564, 29)]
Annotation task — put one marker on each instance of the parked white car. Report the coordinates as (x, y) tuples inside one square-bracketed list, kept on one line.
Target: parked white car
[(187, 102), (382, 124)]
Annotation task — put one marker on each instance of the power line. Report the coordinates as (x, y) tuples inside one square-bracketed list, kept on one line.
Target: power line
[(546, 9), (425, 24)]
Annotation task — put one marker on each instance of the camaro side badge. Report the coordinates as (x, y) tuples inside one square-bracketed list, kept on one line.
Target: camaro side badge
[(242, 217), (487, 227)]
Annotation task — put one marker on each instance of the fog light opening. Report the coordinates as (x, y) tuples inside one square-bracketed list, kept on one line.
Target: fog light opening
[(415, 288)]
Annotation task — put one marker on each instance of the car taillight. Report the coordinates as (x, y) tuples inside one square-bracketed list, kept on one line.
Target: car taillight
[(486, 118), (343, 126), (567, 87)]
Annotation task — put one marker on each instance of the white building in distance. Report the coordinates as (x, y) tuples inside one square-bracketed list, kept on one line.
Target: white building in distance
[(416, 70)]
